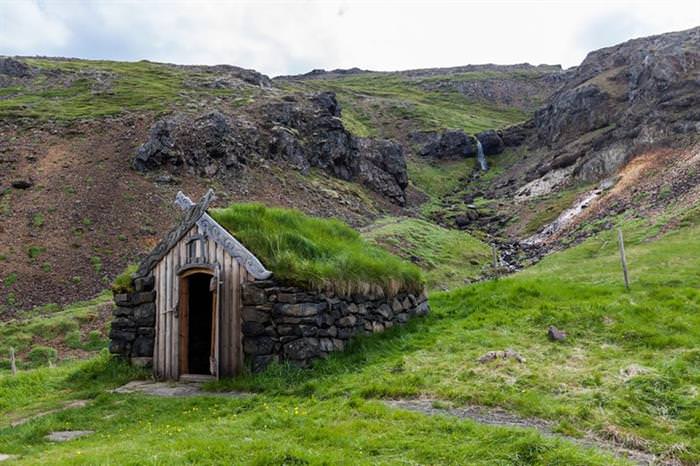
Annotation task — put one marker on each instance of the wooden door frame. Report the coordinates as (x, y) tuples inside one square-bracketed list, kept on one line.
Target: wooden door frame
[(184, 314)]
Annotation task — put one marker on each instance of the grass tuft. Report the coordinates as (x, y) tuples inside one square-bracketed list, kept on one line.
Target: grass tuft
[(123, 283)]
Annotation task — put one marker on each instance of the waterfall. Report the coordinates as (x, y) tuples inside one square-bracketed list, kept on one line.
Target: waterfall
[(480, 157)]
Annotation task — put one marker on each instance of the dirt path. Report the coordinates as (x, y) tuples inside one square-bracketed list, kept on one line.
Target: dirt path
[(499, 417)]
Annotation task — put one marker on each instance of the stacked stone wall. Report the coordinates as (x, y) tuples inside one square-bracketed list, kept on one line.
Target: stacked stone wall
[(132, 334), (281, 323)]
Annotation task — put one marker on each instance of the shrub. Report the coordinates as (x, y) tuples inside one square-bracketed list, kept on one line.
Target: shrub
[(10, 279), (34, 251), (96, 263), (41, 355), (38, 220)]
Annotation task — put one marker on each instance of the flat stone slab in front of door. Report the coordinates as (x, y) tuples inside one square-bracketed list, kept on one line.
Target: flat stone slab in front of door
[(172, 389)]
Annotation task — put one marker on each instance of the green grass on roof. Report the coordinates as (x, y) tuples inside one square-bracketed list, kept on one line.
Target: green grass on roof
[(318, 253)]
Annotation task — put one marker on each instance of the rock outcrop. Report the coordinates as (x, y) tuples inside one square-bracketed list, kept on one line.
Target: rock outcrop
[(206, 144), (303, 130), (491, 141), (622, 99), (14, 68), (443, 145)]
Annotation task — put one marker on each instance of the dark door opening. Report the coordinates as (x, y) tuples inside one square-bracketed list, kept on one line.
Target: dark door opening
[(199, 341)]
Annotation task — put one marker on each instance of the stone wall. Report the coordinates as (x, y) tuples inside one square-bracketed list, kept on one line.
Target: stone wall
[(286, 323), (133, 327)]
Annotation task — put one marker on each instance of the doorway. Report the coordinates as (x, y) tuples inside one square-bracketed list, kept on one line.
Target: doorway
[(198, 316)]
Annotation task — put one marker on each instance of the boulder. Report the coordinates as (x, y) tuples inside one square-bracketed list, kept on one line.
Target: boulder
[(22, 184), (491, 142), (255, 314), (300, 310), (253, 329), (347, 321), (143, 346), (554, 334), (385, 311)]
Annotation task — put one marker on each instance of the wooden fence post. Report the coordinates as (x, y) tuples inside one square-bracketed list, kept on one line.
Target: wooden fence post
[(496, 270), (623, 258), (13, 364)]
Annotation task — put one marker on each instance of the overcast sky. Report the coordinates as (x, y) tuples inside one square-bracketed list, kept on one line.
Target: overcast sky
[(296, 36)]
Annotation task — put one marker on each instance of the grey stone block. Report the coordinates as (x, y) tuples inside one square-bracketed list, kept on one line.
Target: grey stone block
[(347, 321), (303, 348), (328, 332), (253, 329), (255, 314), (258, 345), (121, 311), (251, 294), (385, 311), (144, 283), (145, 315), (143, 297), (142, 347)]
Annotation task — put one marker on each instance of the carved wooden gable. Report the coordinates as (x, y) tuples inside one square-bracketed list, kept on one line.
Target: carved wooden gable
[(208, 228)]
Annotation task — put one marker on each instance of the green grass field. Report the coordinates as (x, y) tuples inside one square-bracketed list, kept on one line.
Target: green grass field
[(629, 370)]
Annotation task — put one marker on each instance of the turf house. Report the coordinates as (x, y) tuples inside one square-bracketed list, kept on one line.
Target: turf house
[(202, 305)]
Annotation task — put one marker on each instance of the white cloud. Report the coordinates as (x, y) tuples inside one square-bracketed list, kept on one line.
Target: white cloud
[(25, 27), (295, 36)]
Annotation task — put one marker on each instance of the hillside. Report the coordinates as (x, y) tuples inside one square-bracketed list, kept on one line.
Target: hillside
[(72, 130)]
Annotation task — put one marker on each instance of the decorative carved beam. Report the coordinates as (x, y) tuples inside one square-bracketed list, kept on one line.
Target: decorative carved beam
[(230, 244), (192, 214)]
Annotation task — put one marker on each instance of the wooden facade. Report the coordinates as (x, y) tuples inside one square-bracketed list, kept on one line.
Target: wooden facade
[(202, 252), (170, 275)]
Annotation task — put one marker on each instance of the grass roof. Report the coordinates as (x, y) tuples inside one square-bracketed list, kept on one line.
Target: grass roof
[(318, 253)]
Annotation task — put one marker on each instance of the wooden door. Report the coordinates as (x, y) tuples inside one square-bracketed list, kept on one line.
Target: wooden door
[(215, 355), (184, 318)]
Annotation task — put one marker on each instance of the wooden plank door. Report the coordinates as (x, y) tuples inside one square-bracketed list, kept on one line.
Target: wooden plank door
[(215, 357), (184, 330)]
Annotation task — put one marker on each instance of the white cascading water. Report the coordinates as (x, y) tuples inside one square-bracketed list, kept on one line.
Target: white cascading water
[(480, 157)]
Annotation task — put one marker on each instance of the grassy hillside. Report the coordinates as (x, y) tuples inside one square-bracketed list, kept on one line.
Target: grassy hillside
[(628, 372), (51, 334), (64, 90), (450, 258), (389, 105)]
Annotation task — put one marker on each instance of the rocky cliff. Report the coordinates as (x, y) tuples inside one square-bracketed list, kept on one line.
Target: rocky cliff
[(622, 100), (302, 130)]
